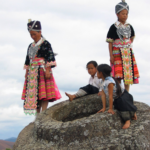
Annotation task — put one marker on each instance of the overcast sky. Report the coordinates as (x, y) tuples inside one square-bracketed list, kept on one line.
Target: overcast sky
[(77, 31)]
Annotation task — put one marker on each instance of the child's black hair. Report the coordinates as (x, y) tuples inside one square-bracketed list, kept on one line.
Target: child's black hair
[(106, 71), (92, 62), (118, 91)]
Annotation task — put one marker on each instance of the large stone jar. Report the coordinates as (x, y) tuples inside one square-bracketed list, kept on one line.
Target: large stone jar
[(76, 125)]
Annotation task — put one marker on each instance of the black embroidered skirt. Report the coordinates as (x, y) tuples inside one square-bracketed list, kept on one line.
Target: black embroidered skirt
[(124, 104)]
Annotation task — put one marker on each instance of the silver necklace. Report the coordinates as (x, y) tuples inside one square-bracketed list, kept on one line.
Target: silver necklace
[(124, 32), (32, 52)]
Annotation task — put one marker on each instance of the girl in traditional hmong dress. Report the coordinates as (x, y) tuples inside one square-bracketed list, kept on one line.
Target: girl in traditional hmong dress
[(120, 37), (122, 100), (40, 86), (93, 86)]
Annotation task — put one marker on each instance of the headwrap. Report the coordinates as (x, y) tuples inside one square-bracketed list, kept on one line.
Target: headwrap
[(34, 25), (120, 6)]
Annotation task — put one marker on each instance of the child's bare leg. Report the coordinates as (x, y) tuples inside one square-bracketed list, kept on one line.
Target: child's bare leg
[(38, 110), (135, 117), (71, 97), (44, 105), (127, 87), (40, 105), (126, 125)]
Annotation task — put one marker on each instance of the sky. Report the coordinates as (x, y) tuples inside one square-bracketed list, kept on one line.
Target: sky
[(77, 31)]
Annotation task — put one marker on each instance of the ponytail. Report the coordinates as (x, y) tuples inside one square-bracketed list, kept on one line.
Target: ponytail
[(118, 90)]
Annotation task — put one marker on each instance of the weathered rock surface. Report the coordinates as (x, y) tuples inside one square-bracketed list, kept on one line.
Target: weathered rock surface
[(76, 126)]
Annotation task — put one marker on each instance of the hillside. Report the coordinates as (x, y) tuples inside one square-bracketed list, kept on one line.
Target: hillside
[(5, 144), (13, 139)]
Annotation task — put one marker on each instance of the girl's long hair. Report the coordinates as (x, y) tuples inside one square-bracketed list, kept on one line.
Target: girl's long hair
[(118, 88), (106, 71)]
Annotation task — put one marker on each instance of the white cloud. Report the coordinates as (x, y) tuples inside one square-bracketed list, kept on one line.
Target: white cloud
[(11, 113)]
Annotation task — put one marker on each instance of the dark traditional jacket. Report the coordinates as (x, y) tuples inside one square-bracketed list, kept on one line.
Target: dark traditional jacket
[(45, 51)]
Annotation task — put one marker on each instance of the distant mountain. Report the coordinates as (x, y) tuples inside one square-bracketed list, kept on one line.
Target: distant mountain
[(12, 139), (5, 144)]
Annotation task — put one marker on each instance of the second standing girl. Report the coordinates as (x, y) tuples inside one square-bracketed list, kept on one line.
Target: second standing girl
[(120, 37)]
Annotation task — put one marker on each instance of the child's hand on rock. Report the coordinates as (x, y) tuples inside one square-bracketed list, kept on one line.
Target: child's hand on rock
[(111, 111), (102, 110)]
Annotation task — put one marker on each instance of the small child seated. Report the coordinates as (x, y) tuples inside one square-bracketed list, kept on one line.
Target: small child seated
[(122, 100), (94, 83)]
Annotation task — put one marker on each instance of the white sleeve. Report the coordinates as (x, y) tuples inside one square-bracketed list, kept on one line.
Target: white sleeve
[(100, 85), (107, 82)]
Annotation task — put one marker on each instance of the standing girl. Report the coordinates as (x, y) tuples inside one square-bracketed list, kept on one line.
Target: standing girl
[(123, 101), (93, 86), (120, 37), (39, 87)]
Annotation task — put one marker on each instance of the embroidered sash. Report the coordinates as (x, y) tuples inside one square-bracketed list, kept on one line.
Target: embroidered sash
[(31, 95), (127, 65), (31, 91)]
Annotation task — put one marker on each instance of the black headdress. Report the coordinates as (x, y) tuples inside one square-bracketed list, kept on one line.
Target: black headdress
[(34, 25)]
